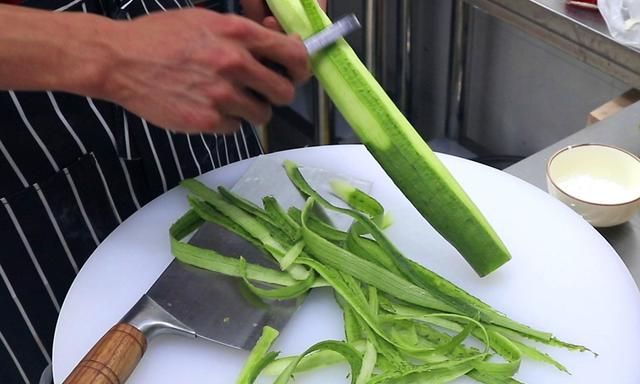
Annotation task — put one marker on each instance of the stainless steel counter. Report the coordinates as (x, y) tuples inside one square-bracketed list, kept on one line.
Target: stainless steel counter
[(581, 33), (621, 130)]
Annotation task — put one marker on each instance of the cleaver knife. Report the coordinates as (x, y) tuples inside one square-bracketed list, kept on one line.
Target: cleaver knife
[(197, 303), (188, 301)]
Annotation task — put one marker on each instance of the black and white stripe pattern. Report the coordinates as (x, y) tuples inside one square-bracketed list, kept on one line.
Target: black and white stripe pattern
[(73, 169)]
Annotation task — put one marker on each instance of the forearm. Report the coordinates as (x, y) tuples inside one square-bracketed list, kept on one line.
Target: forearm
[(55, 51), (189, 70)]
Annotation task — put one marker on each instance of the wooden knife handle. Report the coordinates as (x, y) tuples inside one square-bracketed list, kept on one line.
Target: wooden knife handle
[(112, 359)]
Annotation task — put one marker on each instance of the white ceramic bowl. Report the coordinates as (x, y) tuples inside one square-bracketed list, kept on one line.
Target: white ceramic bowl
[(600, 182)]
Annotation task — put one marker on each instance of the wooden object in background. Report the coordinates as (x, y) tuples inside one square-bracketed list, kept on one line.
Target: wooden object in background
[(614, 106)]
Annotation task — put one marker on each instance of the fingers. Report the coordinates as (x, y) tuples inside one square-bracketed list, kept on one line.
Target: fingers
[(266, 82), (227, 125), (266, 44), (195, 119), (249, 73), (288, 51), (213, 121), (241, 104), (255, 9)]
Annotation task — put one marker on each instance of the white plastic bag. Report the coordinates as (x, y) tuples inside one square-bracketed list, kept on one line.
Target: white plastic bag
[(623, 20)]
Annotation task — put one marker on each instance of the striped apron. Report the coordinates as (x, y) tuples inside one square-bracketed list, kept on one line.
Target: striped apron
[(72, 169)]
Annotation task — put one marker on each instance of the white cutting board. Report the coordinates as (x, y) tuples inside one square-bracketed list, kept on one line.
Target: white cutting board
[(564, 278)]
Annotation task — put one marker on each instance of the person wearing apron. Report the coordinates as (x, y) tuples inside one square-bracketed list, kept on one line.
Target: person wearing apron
[(73, 167)]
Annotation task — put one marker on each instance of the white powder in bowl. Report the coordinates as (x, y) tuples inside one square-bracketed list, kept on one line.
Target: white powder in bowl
[(597, 190)]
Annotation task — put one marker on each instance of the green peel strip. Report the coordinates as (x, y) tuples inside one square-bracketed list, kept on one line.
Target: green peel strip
[(260, 357), (403, 323)]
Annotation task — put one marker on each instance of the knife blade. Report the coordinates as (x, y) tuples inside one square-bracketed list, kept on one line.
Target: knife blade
[(214, 306)]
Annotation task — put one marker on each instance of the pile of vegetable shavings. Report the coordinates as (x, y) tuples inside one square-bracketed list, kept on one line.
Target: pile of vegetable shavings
[(403, 323)]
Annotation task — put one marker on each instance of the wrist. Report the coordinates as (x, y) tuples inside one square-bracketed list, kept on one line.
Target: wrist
[(92, 59)]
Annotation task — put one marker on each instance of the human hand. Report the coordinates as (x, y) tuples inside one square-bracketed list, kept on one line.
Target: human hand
[(196, 70), (258, 11)]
